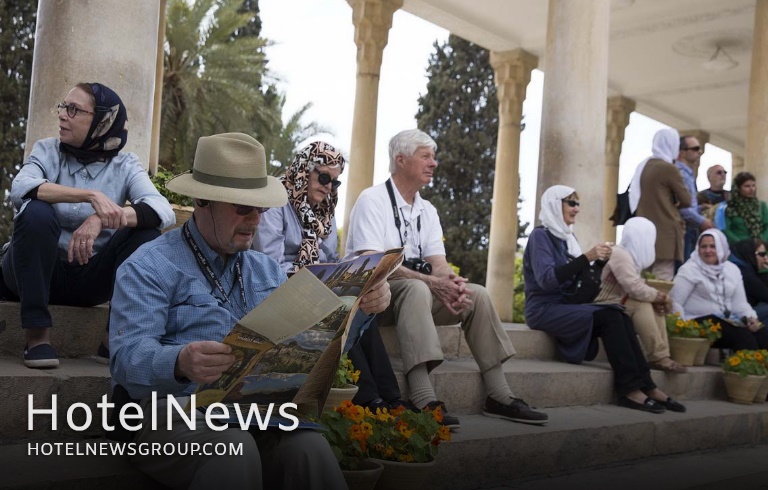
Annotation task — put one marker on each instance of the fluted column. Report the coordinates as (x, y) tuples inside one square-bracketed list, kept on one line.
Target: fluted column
[(574, 108), (372, 20), (737, 164), (109, 48), (157, 112), (617, 119), (756, 157), (512, 71)]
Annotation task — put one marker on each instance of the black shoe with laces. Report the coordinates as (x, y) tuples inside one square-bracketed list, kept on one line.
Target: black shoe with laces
[(448, 420), (517, 411)]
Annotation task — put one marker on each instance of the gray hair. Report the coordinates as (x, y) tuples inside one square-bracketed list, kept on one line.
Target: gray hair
[(406, 143)]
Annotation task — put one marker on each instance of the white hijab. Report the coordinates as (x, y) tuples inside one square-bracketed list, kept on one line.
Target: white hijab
[(712, 275), (639, 239), (666, 146), (551, 216)]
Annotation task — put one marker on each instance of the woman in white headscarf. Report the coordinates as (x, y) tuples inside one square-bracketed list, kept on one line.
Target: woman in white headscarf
[(708, 285), (657, 192), (622, 283), (551, 262)]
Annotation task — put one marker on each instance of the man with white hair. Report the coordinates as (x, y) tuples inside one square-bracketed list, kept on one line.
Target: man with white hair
[(425, 291), (716, 194)]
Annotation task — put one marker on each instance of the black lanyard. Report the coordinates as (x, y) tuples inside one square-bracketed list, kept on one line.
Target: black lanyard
[(396, 213), (202, 262)]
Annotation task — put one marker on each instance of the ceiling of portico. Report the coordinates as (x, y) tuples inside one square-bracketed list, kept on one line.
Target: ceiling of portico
[(656, 53)]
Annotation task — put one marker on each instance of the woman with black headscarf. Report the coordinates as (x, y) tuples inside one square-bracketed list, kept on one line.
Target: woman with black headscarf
[(72, 228), (751, 258)]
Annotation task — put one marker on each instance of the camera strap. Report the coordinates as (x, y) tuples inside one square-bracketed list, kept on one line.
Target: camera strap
[(396, 213)]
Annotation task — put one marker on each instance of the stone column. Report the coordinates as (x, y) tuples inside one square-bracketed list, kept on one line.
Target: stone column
[(109, 48), (512, 71), (372, 20), (619, 109), (157, 105), (737, 164), (574, 109), (756, 157)]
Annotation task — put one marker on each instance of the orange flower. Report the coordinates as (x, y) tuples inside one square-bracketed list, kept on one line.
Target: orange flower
[(404, 429), (734, 361), (438, 414)]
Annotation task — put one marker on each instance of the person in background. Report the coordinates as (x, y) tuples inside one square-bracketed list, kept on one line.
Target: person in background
[(688, 161), (551, 261), (746, 216), (708, 285), (716, 175), (751, 258), (646, 306), (73, 228), (304, 232), (656, 192)]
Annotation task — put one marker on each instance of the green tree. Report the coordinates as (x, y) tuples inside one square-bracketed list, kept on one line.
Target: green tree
[(460, 112), (17, 36), (214, 66)]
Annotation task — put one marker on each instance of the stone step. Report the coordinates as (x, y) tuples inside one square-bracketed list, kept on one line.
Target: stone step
[(484, 453), (458, 383), (76, 333)]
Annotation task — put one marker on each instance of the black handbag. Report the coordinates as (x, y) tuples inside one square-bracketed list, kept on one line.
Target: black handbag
[(585, 286), (622, 212)]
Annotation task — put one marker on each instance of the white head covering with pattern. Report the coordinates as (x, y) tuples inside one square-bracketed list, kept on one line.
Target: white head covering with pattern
[(551, 216)]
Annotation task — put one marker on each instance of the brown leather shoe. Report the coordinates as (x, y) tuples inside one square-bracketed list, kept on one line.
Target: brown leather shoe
[(667, 365)]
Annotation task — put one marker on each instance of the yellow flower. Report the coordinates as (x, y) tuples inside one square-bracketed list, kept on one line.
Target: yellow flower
[(734, 361), (403, 428), (406, 458), (355, 375), (758, 356), (382, 415), (680, 323)]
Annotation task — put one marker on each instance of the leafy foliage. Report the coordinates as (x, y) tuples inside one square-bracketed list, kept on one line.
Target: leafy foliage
[(17, 36), (747, 362), (160, 179), (460, 112)]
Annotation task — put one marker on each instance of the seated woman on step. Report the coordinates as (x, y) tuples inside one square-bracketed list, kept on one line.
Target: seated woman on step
[(552, 260), (709, 285), (646, 306), (304, 232), (751, 258), (72, 228)]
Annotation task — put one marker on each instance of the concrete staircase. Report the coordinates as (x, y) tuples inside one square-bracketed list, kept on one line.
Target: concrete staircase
[(585, 428)]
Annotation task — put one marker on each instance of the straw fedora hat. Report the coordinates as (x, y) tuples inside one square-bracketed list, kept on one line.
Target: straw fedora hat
[(230, 167)]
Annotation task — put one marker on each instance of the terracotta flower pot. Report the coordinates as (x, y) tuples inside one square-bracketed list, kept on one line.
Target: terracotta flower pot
[(365, 476), (684, 350), (338, 395), (404, 476), (762, 392), (742, 390)]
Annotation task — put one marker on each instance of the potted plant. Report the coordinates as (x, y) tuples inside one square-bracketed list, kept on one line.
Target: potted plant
[(182, 205), (404, 442), (690, 340), (762, 393), (744, 373), (343, 386)]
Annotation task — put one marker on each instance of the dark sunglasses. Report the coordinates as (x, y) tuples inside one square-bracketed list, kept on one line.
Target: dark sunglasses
[(571, 202), (242, 210), (694, 148), (325, 178), (721, 172), (761, 254)]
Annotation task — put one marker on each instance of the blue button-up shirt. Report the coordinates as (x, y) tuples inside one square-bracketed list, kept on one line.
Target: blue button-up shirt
[(692, 216), (163, 301), (121, 179)]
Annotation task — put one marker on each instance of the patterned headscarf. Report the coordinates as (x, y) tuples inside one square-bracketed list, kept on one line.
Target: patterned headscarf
[(316, 221), (748, 209), (109, 128)]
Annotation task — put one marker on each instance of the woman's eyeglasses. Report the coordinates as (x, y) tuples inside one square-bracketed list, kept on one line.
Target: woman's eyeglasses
[(242, 210), (324, 178), (571, 202), (761, 254), (72, 109)]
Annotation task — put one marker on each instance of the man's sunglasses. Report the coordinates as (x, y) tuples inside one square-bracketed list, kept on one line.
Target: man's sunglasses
[(242, 210), (571, 202), (694, 148), (324, 178)]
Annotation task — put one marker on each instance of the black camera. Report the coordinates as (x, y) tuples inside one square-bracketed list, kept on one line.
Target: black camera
[(418, 265)]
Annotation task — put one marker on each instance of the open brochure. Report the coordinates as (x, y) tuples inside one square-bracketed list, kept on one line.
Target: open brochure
[(288, 347)]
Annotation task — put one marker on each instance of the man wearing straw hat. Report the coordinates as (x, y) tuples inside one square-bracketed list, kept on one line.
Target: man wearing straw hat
[(176, 298)]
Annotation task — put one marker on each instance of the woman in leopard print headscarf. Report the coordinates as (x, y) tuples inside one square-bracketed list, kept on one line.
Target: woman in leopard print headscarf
[(312, 184)]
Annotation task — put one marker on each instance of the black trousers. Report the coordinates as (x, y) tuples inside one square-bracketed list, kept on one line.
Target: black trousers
[(630, 369), (34, 273), (377, 379), (738, 338)]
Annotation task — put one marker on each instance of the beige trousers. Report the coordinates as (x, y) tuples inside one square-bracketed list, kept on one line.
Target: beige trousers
[(651, 329), (664, 269), (415, 311)]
